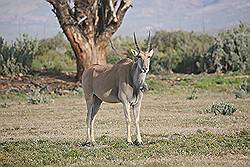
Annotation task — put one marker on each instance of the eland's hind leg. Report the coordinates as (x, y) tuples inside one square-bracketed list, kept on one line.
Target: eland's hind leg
[(95, 107), (89, 102)]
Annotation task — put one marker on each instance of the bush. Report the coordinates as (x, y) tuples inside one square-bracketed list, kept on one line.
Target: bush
[(193, 95), (222, 108), (230, 52), (243, 90), (112, 58), (174, 51), (121, 49), (245, 86), (178, 51), (36, 98), (53, 61), (55, 54), (188, 52), (17, 57)]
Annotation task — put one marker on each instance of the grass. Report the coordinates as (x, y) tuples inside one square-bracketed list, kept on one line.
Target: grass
[(156, 86), (13, 97), (220, 83), (178, 82), (116, 150)]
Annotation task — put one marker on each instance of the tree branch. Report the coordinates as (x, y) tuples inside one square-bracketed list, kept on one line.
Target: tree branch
[(86, 9), (63, 12), (67, 21), (113, 26)]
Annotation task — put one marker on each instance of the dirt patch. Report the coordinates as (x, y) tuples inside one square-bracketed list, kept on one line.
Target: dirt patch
[(46, 82), (65, 118)]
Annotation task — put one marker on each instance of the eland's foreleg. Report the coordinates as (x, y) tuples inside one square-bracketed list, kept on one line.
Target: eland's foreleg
[(136, 112), (126, 108)]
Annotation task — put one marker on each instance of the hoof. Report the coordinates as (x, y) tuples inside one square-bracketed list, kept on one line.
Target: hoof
[(89, 144), (137, 143)]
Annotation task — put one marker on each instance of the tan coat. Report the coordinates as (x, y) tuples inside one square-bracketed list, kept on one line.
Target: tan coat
[(109, 82)]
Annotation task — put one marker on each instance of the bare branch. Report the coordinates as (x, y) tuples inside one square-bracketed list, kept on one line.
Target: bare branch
[(120, 53), (95, 9), (66, 20), (86, 9), (63, 12), (112, 10), (113, 26)]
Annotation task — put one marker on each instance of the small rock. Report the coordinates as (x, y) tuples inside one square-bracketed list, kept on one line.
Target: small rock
[(19, 78)]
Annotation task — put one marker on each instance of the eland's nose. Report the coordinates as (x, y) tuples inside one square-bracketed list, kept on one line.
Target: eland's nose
[(145, 69)]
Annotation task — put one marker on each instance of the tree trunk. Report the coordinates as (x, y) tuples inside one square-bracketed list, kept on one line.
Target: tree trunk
[(95, 54), (87, 52), (88, 27)]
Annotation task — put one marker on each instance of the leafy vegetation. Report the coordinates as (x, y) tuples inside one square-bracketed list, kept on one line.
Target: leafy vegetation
[(120, 48), (245, 86), (17, 57), (117, 151), (193, 95), (55, 54), (37, 98), (243, 89), (222, 108), (179, 52), (230, 52), (188, 52)]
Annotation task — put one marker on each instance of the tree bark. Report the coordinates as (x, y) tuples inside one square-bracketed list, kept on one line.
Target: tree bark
[(88, 26)]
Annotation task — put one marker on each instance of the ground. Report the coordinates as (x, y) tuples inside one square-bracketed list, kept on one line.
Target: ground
[(176, 132)]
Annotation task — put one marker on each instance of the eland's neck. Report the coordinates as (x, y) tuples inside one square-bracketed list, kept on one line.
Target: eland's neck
[(137, 76)]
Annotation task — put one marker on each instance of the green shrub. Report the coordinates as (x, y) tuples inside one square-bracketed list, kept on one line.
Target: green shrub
[(17, 57), (178, 51), (221, 108), (230, 52), (78, 91), (53, 61), (245, 86), (112, 58), (193, 95), (37, 98), (188, 52), (243, 90), (55, 55)]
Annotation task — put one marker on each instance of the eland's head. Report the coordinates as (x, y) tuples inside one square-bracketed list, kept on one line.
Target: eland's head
[(142, 58)]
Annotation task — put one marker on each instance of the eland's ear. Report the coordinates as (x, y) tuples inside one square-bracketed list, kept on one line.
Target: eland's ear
[(134, 52), (150, 53)]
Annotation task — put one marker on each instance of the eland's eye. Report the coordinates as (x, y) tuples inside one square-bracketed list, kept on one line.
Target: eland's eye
[(139, 57)]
